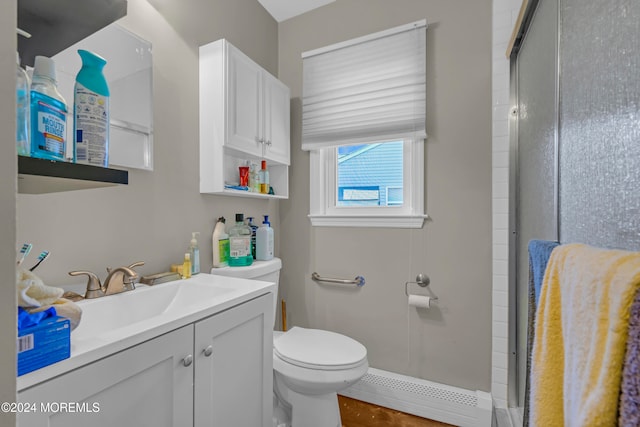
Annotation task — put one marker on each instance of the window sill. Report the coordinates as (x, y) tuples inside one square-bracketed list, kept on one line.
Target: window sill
[(376, 221)]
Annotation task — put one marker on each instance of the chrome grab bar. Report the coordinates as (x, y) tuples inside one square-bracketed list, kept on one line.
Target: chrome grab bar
[(358, 281)]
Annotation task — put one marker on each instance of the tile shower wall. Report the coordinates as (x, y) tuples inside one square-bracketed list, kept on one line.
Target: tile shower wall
[(505, 13)]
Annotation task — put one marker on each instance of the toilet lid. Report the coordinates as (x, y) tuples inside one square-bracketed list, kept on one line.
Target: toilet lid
[(317, 349)]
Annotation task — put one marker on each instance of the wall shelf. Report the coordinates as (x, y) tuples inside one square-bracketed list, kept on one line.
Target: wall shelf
[(39, 176), (241, 193), (56, 25)]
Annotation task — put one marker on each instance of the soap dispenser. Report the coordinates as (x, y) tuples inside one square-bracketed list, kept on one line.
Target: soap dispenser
[(194, 253)]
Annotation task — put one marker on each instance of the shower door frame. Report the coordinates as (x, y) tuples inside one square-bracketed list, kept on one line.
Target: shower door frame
[(515, 291)]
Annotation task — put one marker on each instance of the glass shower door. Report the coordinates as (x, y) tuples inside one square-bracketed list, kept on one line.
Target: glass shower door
[(536, 160)]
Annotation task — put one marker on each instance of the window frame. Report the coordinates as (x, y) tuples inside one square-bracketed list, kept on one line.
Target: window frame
[(323, 211)]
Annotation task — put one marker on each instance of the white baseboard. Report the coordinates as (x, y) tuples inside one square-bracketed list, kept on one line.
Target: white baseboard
[(424, 398)]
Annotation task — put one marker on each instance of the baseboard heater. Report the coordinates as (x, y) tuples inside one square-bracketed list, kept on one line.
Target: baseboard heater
[(423, 398)]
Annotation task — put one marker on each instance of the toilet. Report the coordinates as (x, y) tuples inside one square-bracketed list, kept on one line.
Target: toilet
[(310, 365)]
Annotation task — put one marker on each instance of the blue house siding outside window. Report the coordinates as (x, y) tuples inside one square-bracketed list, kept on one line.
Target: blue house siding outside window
[(370, 175)]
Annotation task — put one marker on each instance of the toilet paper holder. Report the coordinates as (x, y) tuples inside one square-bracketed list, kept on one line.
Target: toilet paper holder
[(423, 281)]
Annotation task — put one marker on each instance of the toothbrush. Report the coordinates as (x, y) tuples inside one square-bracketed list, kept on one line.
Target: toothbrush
[(26, 248), (43, 255)]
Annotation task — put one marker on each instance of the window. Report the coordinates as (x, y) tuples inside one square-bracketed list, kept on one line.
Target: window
[(364, 125), (365, 173), (372, 191)]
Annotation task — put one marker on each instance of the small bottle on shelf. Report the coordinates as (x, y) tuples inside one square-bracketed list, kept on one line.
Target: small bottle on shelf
[(22, 111), (264, 178), (48, 113)]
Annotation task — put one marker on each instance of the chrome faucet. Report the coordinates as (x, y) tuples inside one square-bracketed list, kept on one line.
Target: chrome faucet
[(120, 279)]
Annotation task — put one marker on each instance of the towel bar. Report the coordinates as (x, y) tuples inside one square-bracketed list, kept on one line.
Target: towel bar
[(358, 281)]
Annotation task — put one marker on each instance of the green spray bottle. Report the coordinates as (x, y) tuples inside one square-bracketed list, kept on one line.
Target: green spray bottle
[(91, 112)]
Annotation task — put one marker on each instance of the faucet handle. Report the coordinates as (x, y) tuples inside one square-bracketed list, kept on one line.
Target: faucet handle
[(136, 264), (132, 266), (94, 288)]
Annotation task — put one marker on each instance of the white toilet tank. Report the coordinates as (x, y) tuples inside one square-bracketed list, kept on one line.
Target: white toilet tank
[(267, 271)]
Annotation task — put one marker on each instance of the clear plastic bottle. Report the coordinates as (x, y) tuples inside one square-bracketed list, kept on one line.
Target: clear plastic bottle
[(254, 178), (240, 244), (194, 252), (22, 110), (48, 113)]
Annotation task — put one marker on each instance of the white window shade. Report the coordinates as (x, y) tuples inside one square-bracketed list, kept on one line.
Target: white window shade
[(370, 89)]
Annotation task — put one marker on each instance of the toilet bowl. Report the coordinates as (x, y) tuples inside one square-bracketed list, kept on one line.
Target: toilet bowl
[(310, 365)]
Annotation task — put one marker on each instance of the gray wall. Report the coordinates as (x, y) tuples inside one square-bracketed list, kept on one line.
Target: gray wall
[(152, 218), (450, 343), (7, 208)]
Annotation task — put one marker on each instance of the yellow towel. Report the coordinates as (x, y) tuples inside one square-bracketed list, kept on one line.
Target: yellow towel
[(580, 338), (32, 292), (35, 296)]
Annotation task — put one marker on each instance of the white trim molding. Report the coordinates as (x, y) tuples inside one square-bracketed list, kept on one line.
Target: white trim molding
[(399, 221), (427, 399), (323, 211)]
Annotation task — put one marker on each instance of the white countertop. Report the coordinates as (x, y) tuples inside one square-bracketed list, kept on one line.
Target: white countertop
[(113, 323)]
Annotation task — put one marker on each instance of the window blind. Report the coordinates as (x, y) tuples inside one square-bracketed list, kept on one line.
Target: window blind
[(366, 90)]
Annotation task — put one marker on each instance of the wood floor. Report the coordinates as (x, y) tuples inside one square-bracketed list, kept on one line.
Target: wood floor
[(355, 413)]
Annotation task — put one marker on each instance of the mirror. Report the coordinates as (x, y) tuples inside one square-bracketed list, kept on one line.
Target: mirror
[(129, 76)]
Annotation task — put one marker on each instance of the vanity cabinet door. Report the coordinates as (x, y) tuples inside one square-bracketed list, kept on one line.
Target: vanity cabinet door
[(234, 366), (277, 119), (145, 385), (244, 108)]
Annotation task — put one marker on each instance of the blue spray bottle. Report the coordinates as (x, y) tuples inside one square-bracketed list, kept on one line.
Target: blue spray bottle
[(91, 112)]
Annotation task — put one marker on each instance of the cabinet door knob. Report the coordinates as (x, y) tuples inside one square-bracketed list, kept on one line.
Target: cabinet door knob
[(268, 143), (208, 351), (188, 360), (259, 140)]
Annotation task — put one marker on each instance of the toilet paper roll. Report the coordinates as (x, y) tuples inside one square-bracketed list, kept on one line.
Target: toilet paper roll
[(419, 301)]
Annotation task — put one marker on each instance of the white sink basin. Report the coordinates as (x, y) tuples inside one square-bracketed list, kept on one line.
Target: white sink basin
[(107, 314)]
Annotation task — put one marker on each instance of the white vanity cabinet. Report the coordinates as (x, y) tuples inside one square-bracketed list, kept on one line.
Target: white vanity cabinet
[(216, 371), (244, 116), (146, 385)]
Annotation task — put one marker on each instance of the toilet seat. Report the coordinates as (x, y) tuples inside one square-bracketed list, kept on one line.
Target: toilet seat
[(319, 349)]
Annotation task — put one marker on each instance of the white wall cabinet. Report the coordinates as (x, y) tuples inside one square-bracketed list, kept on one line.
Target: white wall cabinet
[(244, 116), (216, 371)]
